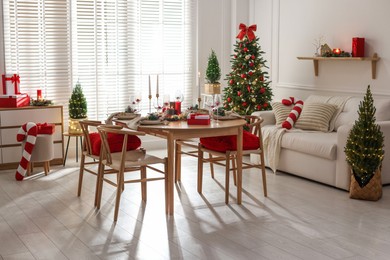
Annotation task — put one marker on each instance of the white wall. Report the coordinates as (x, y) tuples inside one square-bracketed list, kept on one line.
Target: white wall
[(292, 26)]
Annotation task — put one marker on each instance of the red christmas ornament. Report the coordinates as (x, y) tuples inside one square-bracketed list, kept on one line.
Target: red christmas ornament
[(261, 78), (235, 56), (229, 99), (265, 105), (244, 104), (248, 88), (238, 93), (262, 90), (242, 66), (251, 64), (245, 49), (243, 76), (253, 57), (250, 73), (259, 107), (231, 82), (240, 45)]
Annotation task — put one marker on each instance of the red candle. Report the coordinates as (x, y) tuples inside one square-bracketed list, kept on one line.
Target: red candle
[(39, 94), (178, 107), (337, 51)]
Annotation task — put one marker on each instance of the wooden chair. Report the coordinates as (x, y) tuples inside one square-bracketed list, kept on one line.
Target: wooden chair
[(87, 152), (224, 158), (126, 161)]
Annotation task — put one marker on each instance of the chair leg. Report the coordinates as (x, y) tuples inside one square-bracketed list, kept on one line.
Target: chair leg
[(211, 165), (143, 183), (200, 170), (46, 167), (99, 175), (28, 170), (118, 194), (263, 175), (81, 175), (234, 163), (166, 185), (100, 186), (177, 162), (227, 177)]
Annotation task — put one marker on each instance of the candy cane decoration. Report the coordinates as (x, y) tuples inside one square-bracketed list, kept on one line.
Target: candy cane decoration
[(31, 130), (294, 114)]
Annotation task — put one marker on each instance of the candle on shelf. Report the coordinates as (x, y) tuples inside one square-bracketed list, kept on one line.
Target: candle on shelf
[(39, 94), (150, 87), (157, 87), (337, 51), (178, 107)]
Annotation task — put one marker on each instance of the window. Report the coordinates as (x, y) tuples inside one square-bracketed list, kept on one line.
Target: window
[(109, 46)]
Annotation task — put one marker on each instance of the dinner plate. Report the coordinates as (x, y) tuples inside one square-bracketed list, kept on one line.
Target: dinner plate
[(151, 122), (225, 117), (126, 116)]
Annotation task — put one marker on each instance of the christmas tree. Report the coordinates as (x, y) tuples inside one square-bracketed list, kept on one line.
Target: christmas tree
[(77, 103), (364, 148), (248, 87), (213, 72)]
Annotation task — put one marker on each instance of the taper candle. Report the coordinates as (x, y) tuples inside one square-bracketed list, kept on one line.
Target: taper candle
[(157, 86), (198, 84), (150, 87)]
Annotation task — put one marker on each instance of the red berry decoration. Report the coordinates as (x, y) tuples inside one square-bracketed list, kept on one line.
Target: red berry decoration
[(242, 67), (262, 90), (265, 105), (250, 73), (235, 56), (245, 49), (251, 64), (259, 107), (238, 93), (261, 78), (244, 104), (231, 82), (253, 57), (229, 99), (248, 88), (243, 76)]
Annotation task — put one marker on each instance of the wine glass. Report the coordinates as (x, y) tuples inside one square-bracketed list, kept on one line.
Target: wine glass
[(209, 102), (217, 104), (157, 104), (138, 99), (179, 96)]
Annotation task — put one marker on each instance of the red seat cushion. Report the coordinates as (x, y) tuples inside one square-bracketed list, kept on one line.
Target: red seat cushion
[(229, 142), (115, 142)]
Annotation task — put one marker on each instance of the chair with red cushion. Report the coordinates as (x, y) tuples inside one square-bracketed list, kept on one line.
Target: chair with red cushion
[(92, 146), (120, 162), (224, 150)]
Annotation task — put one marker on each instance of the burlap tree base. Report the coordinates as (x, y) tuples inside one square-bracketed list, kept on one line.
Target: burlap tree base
[(372, 191)]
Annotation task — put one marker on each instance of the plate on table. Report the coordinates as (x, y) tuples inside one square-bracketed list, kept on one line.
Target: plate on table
[(231, 117), (126, 116), (151, 122)]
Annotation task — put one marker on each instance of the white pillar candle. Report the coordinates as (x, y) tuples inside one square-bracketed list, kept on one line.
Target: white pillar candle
[(198, 84)]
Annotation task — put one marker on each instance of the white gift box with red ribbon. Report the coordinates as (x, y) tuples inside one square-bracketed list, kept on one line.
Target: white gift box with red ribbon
[(10, 84)]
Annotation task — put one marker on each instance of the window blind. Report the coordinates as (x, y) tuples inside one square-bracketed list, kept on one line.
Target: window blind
[(109, 46)]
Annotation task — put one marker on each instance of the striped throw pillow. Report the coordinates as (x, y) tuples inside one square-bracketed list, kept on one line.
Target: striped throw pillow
[(281, 111), (316, 116)]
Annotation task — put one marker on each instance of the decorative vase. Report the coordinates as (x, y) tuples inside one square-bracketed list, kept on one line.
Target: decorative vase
[(212, 89), (74, 126), (372, 191)]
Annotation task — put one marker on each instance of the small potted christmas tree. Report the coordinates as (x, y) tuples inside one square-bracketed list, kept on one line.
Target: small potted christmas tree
[(364, 153), (77, 109), (213, 74)]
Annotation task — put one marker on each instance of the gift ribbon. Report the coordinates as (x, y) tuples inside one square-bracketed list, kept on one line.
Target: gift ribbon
[(248, 31)]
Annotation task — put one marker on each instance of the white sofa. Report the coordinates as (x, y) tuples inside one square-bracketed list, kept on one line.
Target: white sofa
[(319, 156)]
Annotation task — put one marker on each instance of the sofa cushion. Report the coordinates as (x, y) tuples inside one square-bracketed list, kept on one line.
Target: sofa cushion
[(281, 111), (315, 143), (316, 116)]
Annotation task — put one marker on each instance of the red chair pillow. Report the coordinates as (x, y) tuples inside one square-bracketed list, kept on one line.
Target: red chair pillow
[(115, 141), (229, 142)]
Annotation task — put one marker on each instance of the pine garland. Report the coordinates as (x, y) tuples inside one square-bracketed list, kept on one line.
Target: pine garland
[(364, 147)]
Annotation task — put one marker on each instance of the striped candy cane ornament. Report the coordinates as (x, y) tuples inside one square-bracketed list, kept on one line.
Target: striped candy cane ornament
[(294, 114), (30, 130)]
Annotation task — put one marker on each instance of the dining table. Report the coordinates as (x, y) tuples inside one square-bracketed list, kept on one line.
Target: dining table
[(179, 130)]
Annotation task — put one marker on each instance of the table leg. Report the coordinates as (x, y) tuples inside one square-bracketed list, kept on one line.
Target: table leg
[(77, 149), (66, 151), (239, 165), (171, 170)]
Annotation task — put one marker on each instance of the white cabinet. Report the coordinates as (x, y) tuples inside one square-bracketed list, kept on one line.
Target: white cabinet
[(11, 119)]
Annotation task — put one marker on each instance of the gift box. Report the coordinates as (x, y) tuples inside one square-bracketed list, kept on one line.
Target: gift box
[(10, 84), (46, 129), (357, 47), (198, 119), (20, 100)]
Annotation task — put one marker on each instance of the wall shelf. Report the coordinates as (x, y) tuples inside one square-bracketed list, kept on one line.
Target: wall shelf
[(316, 60)]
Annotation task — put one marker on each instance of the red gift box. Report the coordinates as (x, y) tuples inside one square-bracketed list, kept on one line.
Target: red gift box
[(357, 47), (46, 129), (198, 119), (11, 84), (14, 100)]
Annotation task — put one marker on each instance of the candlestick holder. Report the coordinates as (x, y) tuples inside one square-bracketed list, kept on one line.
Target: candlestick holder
[(199, 101), (150, 103)]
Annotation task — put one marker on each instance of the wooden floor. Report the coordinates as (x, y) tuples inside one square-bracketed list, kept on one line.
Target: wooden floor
[(42, 218)]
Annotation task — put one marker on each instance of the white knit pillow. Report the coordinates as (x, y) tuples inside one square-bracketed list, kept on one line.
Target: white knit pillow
[(281, 111), (316, 116)]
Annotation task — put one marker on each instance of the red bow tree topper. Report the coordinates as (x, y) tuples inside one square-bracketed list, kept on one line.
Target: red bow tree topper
[(248, 31)]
